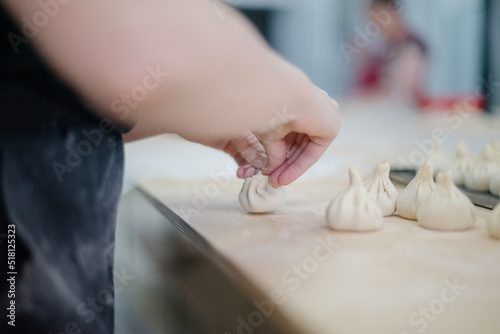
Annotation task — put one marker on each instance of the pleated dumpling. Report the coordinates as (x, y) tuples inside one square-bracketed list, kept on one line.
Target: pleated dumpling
[(447, 208), (461, 164), (258, 195), (418, 190), (485, 168), (353, 209), (381, 189)]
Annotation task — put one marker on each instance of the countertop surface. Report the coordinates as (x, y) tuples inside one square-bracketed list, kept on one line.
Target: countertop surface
[(400, 279)]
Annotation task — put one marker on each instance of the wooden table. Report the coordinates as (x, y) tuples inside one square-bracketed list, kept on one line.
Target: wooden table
[(294, 275)]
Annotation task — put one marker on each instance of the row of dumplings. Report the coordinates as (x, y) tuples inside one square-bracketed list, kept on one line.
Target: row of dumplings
[(436, 205), (480, 173)]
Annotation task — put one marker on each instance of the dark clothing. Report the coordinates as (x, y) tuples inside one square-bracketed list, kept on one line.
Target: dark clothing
[(64, 229), (61, 171), (30, 94)]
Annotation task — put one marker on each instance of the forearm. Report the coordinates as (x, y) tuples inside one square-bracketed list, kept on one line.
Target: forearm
[(141, 131), (222, 79)]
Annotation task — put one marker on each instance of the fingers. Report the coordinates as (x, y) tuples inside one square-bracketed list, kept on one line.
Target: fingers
[(246, 171), (231, 149), (314, 133), (276, 154), (294, 152), (303, 158), (281, 151), (289, 150), (319, 134), (249, 154), (333, 102), (252, 151)]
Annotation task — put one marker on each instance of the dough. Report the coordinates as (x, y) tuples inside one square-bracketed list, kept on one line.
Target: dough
[(461, 164), (353, 209), (438, 159), (447, 208), (418, 190), (485, 168), (381, 190), (258, 195), (494, 223), (495, 185)]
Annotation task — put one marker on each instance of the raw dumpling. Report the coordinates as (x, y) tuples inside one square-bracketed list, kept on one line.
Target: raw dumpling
[(258, 195), (437, 158), (353, 209), (418, 190), (485, 168), (461, 164), (495, 185), (447, 208), (494, 223), (381, 189)]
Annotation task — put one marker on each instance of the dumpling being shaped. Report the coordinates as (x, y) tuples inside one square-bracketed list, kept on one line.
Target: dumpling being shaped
[(485, 168), (353, 209), (493, 224), (461, 164), (258, 195), (418, 190), (381, 189), (447, 208)]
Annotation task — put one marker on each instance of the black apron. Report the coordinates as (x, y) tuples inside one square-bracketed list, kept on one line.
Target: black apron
[(61, 170)]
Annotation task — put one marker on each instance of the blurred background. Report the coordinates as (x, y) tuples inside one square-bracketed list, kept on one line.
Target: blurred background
[(333, 41), (399, 69)]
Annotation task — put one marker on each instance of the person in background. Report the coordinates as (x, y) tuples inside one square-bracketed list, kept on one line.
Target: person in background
[(396, 67), (75, 76)]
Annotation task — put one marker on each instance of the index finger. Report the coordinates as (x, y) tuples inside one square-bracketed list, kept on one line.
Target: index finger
[(303, 158)]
